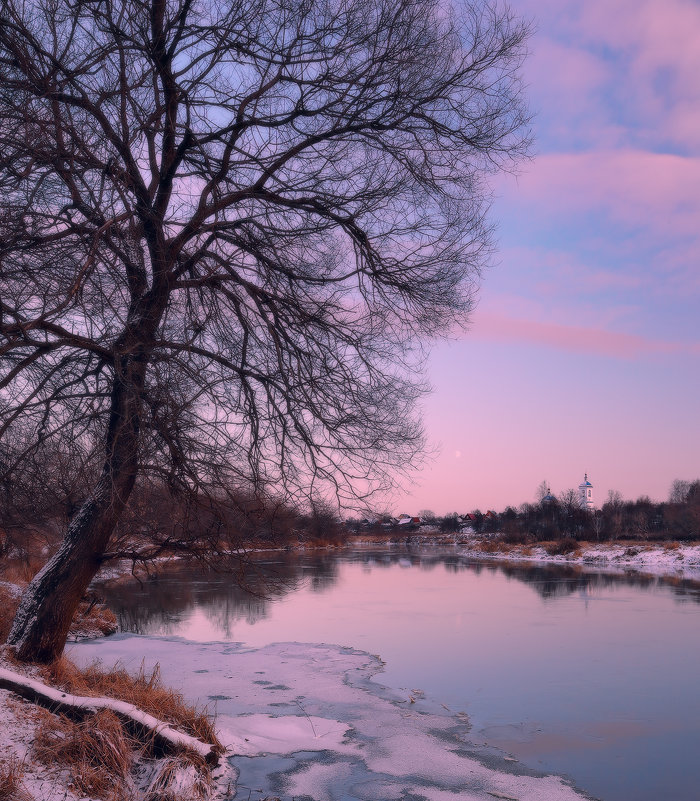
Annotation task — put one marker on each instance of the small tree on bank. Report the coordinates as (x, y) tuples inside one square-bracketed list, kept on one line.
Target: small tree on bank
[(223, 227)]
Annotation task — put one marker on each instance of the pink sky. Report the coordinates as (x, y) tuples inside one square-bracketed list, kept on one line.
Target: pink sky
[(584, 351)]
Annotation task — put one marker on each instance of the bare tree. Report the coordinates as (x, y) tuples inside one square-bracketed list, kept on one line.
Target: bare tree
[(225, 230), (679, 491), (570, 500), (542, 491), (612, 509)]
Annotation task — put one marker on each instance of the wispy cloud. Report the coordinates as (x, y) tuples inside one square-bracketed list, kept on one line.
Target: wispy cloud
[(500, 328), (635, 187)]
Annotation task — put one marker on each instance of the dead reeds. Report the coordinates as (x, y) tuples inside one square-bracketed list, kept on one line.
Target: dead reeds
[(11, 772), (100, 754), (96, 751), (8, 606), (144, 689)]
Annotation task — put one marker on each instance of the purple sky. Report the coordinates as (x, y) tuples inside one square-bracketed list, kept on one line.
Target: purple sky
[(584, 352)]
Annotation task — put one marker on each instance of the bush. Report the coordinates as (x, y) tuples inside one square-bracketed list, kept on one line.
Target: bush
[(561, 547)]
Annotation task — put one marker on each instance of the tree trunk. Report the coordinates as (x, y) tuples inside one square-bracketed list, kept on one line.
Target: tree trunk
[(41, 624)]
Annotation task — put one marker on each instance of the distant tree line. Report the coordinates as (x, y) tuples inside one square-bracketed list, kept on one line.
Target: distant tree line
[(642, 519), (562, 517), (160, 523)]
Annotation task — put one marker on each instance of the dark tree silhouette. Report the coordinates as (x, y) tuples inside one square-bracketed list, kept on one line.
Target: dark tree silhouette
[(225, 229)]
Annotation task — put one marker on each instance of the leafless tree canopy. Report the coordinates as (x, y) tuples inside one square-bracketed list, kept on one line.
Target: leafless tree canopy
[(225, 227)]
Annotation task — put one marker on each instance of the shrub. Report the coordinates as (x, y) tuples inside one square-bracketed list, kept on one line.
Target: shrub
[(561, 547)]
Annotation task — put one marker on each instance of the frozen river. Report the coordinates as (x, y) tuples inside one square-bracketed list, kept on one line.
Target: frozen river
[(572, 673)]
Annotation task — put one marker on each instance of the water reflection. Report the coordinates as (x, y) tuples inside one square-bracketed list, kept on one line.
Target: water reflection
[(157, 605)]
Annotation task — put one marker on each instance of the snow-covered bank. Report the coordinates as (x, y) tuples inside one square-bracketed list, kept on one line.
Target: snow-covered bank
[(310, 720), (680, 561), (47, 757)]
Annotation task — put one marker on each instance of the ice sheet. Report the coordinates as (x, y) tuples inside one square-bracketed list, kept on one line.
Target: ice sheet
[(345, 734)]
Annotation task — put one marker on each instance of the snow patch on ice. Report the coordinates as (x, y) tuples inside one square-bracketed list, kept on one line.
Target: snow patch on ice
[(253, 735)]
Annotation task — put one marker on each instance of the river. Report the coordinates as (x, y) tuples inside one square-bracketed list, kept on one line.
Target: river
[(570, 671)]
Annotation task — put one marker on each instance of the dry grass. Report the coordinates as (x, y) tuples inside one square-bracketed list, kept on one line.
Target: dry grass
[(144, 690), (11, 772), (177, 775), (490, 546), (20, 571), (561, 547), (93, 619), (96, 752), (8, 607)]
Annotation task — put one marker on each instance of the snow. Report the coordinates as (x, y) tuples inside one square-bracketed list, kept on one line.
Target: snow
[(319, 711), (267, 734), (14, 590)]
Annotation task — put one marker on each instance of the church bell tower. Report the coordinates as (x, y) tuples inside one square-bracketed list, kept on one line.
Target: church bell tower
[(585, 494)]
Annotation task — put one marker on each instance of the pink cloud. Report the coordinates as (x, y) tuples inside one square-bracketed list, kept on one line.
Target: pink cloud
[(656, 192), (577, 75), (566, 270), (494, 327), (645, 53)]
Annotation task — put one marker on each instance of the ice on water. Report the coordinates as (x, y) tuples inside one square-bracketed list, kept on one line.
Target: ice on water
[(314, 722)]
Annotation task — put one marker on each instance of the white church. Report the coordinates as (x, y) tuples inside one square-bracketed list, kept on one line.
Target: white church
[(585, 494)]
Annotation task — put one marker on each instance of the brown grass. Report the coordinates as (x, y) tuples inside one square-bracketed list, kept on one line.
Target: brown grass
[(489, 546), (93, 618), (20, 571), (11, 772), (96, 752), (561, 547), (167, 785), (144, 690), (8, 607)]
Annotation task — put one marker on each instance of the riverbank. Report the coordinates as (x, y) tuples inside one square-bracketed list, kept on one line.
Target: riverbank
[(666, 559), (119, 736), (671, 558), (302, 719)]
